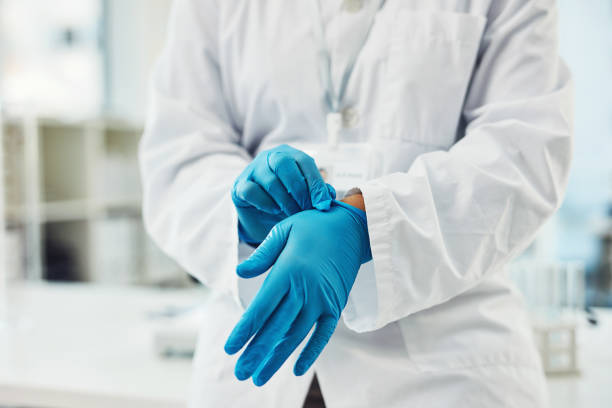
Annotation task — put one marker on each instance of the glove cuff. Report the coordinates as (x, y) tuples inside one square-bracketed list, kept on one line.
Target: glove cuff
[(361, 218)]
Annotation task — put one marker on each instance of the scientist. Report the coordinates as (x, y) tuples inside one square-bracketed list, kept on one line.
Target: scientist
[(386, 159)]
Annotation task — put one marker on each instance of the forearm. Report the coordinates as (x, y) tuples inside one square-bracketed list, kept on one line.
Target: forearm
[(190, 153)]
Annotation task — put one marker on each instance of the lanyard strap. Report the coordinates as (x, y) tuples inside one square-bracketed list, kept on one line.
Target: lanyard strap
[(333, 100)]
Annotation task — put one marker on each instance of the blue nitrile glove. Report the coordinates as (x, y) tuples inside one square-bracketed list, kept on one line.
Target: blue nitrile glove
[(314, 257), (278, 183)]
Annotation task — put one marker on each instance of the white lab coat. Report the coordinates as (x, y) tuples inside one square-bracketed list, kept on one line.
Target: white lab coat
[(469, 109)]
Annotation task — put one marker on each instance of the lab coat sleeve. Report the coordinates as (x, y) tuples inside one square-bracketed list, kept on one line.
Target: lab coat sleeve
[(190, 153), (457, 216)]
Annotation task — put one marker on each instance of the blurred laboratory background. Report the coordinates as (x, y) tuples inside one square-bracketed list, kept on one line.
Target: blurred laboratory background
[(73, 88), (92, 313)]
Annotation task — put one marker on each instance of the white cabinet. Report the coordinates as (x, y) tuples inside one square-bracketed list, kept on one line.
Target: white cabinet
[(73, 193)]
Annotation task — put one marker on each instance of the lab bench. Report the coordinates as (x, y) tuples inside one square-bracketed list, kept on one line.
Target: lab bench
[(92, 345)]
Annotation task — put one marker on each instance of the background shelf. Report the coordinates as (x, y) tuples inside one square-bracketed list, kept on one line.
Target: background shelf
[(74, 201)]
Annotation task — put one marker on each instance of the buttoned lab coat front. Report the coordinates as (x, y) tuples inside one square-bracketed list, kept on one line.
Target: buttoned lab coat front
[(469, 111)]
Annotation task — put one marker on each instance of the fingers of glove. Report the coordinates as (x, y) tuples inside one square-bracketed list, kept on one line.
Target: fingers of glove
[(266, 253), (320, 196), (317, 342), (247, 192), (275, 189), (270, 334), (284, 348), (287, 170), (260, 309)]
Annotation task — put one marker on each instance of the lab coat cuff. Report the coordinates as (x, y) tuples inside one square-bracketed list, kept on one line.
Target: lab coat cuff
[(369, 305)]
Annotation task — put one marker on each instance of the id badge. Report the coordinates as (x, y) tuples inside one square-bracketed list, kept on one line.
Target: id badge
[(344, 166)]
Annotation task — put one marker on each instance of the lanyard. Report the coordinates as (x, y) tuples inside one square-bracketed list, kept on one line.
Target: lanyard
[(334, 100)]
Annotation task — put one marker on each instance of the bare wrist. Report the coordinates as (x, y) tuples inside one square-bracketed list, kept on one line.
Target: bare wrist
[(355, 200)]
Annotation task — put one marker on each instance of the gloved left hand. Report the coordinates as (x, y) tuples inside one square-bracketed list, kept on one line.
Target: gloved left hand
[(314, 257), (278, 183)]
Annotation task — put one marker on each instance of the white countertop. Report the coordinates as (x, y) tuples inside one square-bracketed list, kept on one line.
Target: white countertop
[(81, 346), (89, 346)]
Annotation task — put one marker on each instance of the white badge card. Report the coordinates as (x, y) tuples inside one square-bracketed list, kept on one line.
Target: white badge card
[(344, 166)]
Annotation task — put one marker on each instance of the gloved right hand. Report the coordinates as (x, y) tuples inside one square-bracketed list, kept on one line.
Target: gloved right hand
[(278, 183), (313, 258)]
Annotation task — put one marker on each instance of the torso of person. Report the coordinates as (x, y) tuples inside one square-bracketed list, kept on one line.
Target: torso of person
[(405, 98)]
